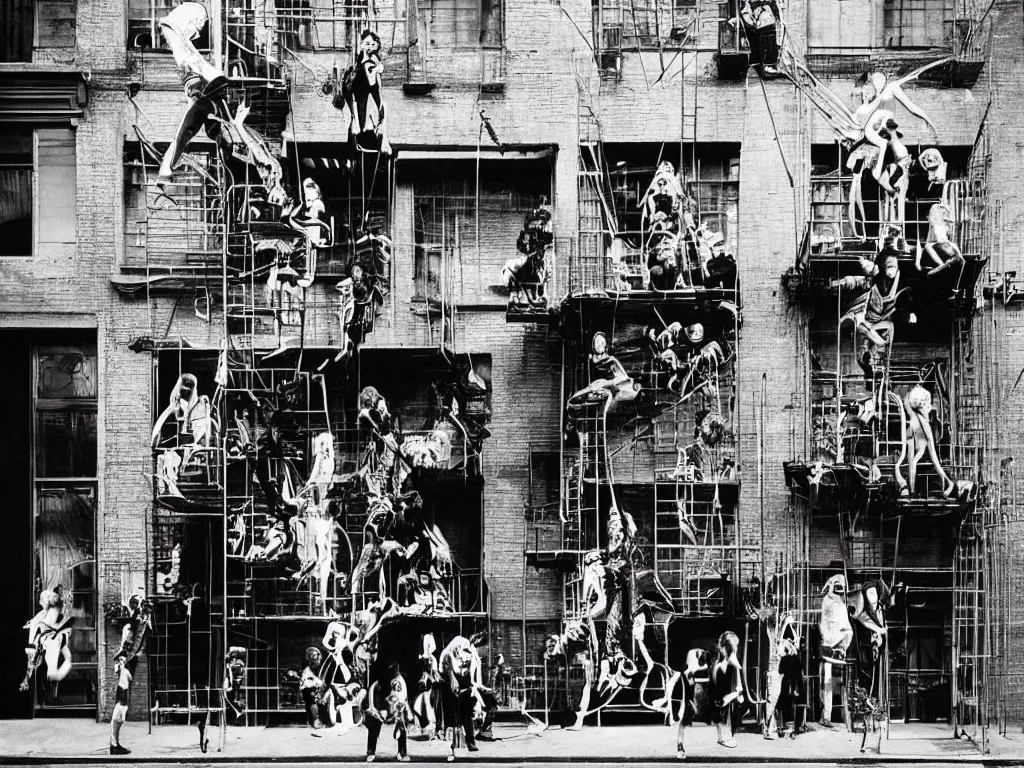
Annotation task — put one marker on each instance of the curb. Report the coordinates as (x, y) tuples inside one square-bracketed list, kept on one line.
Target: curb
[(874, 760)]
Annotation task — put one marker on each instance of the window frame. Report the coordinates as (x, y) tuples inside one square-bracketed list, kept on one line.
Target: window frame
[(425, 8)]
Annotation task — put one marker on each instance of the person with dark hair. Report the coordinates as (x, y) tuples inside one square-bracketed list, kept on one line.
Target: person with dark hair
[(361, 91), (872, 312), (387, 702), (727, 688)]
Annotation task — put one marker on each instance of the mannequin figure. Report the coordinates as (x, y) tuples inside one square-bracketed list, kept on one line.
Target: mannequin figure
[(920, 439), (425, 705), (727, 689)]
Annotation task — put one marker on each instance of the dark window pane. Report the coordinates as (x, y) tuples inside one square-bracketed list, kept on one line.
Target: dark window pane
[(65, 444), (16, 192), (15, 211), (18, 17), (67, 373)]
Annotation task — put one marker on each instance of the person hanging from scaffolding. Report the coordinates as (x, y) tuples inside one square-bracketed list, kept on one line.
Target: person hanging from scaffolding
[(761, 19), (610, 382), (137, 613), (362, 95), (201, 79), (873, 311)]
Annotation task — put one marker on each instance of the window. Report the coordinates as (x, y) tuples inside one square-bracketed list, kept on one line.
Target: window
[(65, 507), (918, 23), (842, 24), (448, 223), (188, 234), (462, 23), (645, 24), (55, 23), (356, 199), (37, 191), (16, 192), (143, 25), (16, 39), (544, 478)]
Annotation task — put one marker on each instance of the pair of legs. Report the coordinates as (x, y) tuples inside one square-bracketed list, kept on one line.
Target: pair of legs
[(921, 440), (458, 711), (179, 28), (727, 719), (120, 712), (373, 726), (490, 709), (944, 254)]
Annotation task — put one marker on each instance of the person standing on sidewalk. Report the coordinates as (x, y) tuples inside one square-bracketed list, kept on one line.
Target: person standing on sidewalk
[(387, 701), (457, 692), (727, 688)]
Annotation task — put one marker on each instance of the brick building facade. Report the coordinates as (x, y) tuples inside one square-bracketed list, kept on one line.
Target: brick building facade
[(491, 110)]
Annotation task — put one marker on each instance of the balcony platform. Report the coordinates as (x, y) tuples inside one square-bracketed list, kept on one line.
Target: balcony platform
[(844, 488)]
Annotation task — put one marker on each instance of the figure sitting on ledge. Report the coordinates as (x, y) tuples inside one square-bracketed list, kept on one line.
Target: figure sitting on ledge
[(612, 384), (362, 94), (760, 20), (873, 311), (939, 248)]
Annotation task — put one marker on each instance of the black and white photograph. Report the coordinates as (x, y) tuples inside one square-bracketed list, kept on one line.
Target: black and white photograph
[(512, 382)]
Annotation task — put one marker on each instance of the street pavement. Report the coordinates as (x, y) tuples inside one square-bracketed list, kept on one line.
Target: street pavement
[(77, 742)]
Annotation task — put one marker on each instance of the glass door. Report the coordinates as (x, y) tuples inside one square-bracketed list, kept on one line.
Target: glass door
[(64, 522)]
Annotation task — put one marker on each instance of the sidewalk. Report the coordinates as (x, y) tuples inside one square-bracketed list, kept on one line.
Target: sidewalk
[(78, 742)]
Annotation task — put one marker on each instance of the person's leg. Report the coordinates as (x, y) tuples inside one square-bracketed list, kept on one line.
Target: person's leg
[(193, 119), (490, 709), (403, 742), (827, 687), (117, 717), (373, 726), (466, 719)]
